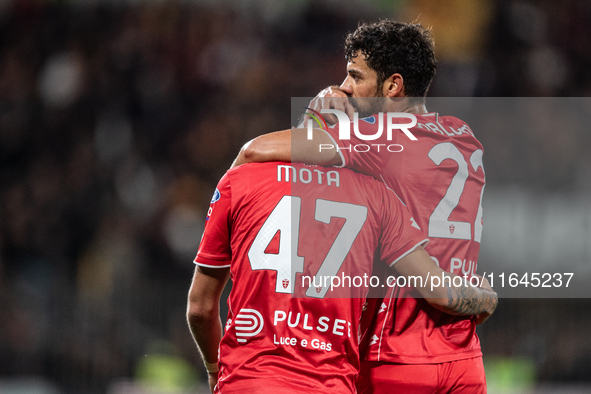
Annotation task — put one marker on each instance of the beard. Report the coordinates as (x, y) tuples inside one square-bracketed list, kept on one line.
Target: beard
[(368, 106)]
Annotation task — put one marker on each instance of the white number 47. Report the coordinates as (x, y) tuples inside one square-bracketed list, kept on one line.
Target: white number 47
[(285, 218)]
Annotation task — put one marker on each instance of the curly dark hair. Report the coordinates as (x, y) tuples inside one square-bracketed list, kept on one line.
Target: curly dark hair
[(395, 47)]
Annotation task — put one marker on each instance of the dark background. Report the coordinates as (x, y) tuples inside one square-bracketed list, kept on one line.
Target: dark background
[(118, 118)]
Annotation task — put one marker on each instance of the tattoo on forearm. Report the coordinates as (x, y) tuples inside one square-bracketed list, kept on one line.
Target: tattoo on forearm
[(468, 300)]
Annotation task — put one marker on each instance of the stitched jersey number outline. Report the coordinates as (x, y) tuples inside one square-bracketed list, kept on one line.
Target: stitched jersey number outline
[(287, 263), (439, 224)]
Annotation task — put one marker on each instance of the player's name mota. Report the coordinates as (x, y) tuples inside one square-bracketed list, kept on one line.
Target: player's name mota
[(286, 173)]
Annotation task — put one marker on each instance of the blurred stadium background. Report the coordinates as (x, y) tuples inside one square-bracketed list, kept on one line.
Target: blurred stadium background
[(117, 118)]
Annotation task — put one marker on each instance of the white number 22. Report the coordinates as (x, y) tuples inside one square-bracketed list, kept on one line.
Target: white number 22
[(287, 262), (439, 224)]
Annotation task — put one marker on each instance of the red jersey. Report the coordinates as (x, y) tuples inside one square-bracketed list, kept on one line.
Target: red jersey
[(276, 226), (440, 178)]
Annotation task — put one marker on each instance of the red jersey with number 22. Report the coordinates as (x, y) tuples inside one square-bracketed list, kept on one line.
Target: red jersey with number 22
[(274, 224), (440, 178)]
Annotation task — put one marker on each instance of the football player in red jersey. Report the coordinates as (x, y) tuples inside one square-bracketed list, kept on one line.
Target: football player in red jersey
[(439, 177), (278, 230)]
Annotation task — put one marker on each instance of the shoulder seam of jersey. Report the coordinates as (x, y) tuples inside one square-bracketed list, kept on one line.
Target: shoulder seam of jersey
[(423, 242)]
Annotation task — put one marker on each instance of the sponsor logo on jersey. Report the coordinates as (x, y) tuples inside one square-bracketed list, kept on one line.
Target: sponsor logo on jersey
[(248, 323)]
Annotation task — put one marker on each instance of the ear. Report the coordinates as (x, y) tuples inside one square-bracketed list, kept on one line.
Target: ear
[(393, 86)]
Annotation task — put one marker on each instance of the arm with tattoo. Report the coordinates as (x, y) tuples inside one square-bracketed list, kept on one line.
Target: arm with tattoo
[(469, 300), (438, 287)]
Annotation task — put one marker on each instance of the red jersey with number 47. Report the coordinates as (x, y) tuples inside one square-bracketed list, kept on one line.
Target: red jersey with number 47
[(281, 229), (440, 178)]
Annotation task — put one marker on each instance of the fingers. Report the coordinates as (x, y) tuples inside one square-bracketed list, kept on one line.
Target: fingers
[(332, 91), (349, 109), (330, 98), (319, 103)]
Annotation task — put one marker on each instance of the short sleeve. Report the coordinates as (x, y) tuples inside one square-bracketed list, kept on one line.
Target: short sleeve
[(215, 249), (333, 133), (401, 234)]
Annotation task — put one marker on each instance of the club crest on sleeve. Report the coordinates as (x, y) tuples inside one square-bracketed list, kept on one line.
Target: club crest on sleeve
[(216, 196)]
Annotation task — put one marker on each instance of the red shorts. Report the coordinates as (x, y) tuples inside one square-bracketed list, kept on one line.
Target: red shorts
[(462, 376)]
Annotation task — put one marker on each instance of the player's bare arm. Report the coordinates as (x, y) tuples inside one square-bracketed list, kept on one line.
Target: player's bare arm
[(446, 296), (203, 315), (294, 145), (462, 298), (289, 146)]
